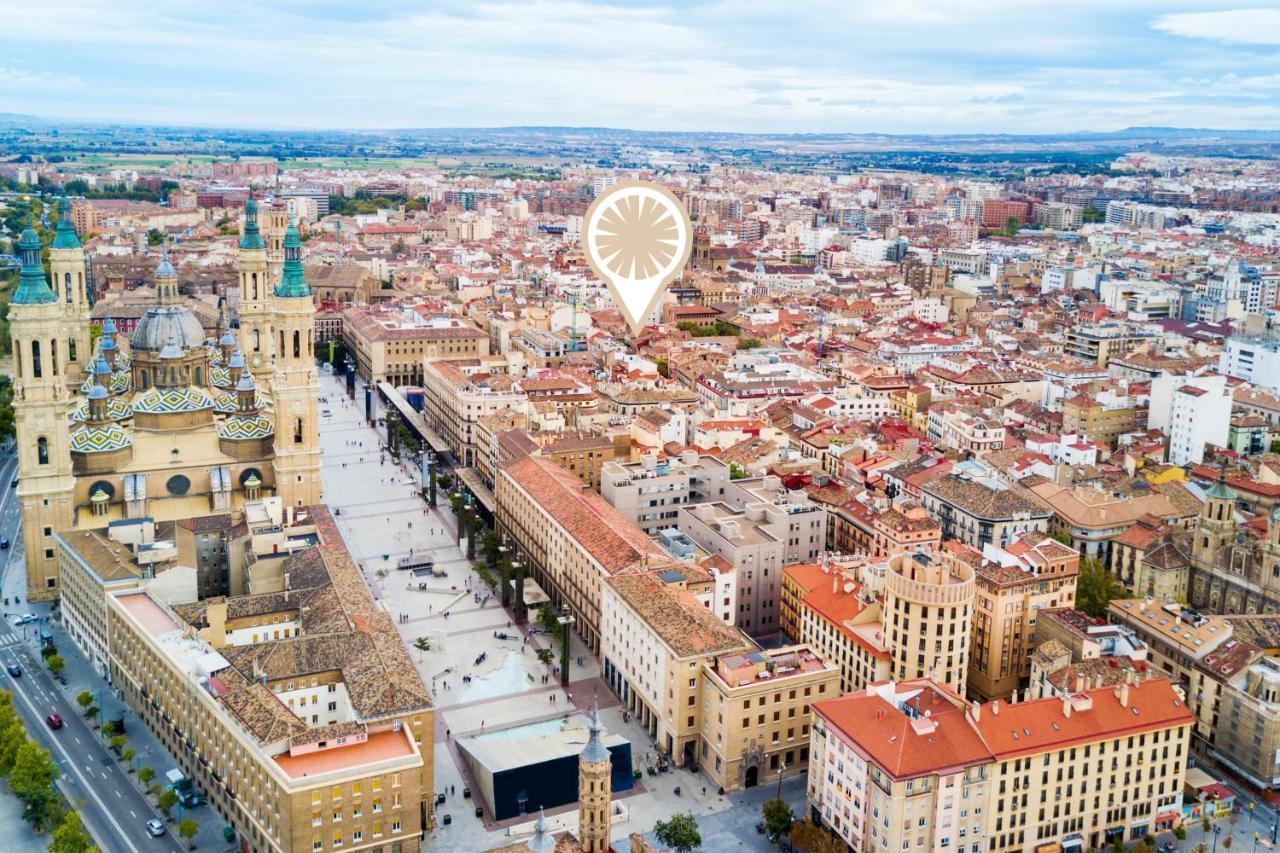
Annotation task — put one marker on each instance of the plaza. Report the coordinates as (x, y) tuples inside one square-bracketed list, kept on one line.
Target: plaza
[(384, 519)]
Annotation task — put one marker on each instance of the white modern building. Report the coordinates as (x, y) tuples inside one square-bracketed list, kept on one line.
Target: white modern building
[(1192, 411)]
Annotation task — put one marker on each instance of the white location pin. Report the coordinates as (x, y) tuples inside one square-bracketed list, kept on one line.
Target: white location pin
[(637, 236)]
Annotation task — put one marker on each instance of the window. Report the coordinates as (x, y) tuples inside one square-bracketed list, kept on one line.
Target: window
[(42, 450), (36, 368)]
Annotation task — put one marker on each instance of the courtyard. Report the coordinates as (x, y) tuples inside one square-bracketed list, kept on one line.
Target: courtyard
[(480, 681)]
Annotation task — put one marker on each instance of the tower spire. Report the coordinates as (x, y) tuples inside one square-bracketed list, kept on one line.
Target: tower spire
[(252, 237), (66, 237), (33, 287), (293, 283)]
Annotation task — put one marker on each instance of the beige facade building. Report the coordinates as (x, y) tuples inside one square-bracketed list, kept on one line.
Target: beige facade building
[(907, 765), (462, 392), (651, 492), (1013, 586), (928, 608), (390, 345), (569, 538), (297, 713)]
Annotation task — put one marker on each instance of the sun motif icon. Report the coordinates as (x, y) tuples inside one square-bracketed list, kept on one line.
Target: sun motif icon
[(636, 236)]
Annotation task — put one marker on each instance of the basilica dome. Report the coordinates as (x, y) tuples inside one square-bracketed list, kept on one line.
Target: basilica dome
[(164, 323)]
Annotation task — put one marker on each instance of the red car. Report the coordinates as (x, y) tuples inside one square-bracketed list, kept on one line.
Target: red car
[(54, 721)]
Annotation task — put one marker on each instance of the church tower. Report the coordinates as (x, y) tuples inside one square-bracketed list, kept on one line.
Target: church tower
[(294, 387), (40, 403), (66, 263), (255, 309), (595, 788), (1216, 526)]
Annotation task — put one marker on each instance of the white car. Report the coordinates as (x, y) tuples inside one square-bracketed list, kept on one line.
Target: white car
[(155, 828)]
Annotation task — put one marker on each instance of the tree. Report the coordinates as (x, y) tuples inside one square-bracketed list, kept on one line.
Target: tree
[(1096, 587), (117, 743), (1092, 214), (128, 755), (548, 618), (55, 663), (545, 656), (1011, 226), (422, 644), (749, 343), (146, 774), (188, 829), (167, 800), (155, 237), (69, 836), (91, 712), (736, 471), (777, 817), (12, 734), (680, 833), (1179, 833), (1226, 843), (31, 781), (84, 699)]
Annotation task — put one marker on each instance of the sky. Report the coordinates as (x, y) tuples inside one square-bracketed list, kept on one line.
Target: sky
[(774, 66)]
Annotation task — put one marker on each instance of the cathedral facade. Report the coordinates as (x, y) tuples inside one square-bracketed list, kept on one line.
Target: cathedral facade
[(1235, 567), (165, 424)]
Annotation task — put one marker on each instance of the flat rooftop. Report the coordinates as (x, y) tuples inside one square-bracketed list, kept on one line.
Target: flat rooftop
[(380, 746)]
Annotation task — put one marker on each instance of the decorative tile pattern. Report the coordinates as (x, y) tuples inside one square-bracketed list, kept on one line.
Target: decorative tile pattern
[(172, 400), (117, 410), (100, 439), (245, 427)]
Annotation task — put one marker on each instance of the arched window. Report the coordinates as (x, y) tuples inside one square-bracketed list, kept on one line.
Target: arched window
[(66, 286), (53, 355), (71, 349), (297, 344), (42, 450), (297, 430), (257, 341), (37, 370), (255, 285), (199, 376)]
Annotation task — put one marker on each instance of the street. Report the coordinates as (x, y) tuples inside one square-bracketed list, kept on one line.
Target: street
[(113, 811)]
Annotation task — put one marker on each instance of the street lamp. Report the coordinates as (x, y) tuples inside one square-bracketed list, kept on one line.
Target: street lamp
[(565, 619), (1216, 830), (431, 477), (504, 567), (782, 768)]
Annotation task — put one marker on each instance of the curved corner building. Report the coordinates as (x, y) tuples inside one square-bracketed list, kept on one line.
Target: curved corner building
[(928, 607)]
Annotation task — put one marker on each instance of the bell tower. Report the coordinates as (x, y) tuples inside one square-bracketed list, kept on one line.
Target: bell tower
[(66, 263), (1217, 523), (40, 401), (294, 387), (595, 789), (255, 309)]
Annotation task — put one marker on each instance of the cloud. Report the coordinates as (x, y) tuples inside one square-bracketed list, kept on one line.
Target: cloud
[(1234, 26)]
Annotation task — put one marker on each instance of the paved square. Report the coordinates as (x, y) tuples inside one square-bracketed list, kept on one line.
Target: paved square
[(383, 518)]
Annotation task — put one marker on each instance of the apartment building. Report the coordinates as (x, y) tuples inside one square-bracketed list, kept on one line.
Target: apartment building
[(391, 345), (832, 608), (1231, 684), (304, 732), (656, 636), (1193, 411), (757, 528), (756, 714), (982, 511), (650, 492), (928, 609), (1013, 585), (898, 766), (570, 538), (1099, 344), (459, 393), (1102, 417), (906, 765)]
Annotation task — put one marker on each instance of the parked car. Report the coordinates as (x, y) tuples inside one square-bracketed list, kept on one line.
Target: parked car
[(4, 544), (54, 721), (155, 828), (26, 619), (14, 670), (13, 484)]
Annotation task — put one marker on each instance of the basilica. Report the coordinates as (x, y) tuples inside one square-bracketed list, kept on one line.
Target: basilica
[(165, 424)]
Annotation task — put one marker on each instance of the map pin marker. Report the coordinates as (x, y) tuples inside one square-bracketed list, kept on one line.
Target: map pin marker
[(637, 236)]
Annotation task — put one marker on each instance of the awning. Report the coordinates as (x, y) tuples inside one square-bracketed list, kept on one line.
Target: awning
[(470, 478)]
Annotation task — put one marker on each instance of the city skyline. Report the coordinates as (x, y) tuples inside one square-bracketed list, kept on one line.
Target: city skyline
[(827, 68)]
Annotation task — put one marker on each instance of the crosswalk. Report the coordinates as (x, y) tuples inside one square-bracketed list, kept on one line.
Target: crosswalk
[(10, 639)]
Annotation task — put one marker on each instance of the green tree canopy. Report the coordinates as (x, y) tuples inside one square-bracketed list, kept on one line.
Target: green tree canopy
[(31, 781), (1096, 587), (69, 836), (680, 833), (777, 817)]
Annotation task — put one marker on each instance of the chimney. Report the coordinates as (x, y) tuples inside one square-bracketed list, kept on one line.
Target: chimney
[(1066, 704), (835, 584), (995, 707), (975, 711), (1123, 695)]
